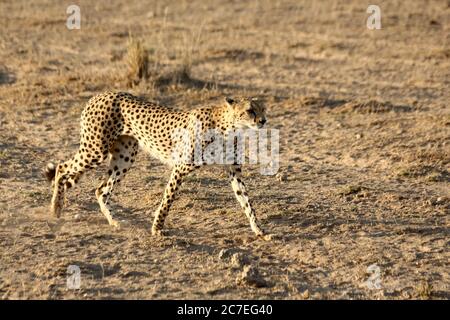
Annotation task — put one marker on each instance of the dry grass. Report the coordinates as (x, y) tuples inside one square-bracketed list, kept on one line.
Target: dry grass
[(191, 46), (186, 55), (370, 106), (424, 290), (138, 62)]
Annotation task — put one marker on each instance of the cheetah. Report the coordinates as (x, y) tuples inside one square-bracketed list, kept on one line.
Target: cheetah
[(116, 125)]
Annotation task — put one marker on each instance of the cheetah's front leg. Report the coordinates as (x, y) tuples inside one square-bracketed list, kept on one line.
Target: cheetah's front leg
[(241, 194), (176, 177)]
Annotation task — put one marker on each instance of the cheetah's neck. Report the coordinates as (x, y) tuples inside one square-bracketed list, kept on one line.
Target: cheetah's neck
[(223, 118)]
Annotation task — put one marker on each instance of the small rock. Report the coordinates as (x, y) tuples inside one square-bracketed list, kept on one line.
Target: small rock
[(239, 259), (410, 256), (305, 294), (224, 254), (250, 276), (434, 23), (282, 177), (436, 202)]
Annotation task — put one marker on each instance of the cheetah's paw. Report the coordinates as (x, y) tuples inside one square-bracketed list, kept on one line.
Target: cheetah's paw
[(114, 223), (266, 236), (56, 209), (269, 237)]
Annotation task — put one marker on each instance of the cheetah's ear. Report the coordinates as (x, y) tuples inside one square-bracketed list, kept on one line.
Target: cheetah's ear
[(230, 101)]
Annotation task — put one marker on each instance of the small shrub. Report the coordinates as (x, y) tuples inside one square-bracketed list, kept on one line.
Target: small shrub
[(137, 60), (424, 290)]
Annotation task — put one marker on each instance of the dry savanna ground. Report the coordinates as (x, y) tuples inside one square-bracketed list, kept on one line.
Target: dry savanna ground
[(364, 124)]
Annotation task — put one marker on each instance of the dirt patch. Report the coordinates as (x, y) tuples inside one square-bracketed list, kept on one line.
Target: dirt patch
[(370, 106), (361, 194)]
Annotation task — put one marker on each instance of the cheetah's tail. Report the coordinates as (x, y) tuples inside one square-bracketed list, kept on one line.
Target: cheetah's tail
[(50, 171)]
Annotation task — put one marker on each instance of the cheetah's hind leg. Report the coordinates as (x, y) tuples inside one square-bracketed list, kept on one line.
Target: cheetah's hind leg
[(65, 175), (122, 156)]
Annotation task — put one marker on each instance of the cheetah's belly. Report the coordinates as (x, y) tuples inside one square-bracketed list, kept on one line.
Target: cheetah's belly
[(163, 156)]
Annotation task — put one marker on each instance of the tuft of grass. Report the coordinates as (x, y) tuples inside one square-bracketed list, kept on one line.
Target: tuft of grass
[(429, 173), (6, 77), (350, 189), (424, 290), (191, 45), (3, 154), (177, 76), (137, 60)]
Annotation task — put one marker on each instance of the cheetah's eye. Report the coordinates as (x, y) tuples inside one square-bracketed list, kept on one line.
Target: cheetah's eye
[(251, 112)]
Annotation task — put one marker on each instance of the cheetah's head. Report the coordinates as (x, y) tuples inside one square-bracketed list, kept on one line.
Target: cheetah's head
[(247, 112)]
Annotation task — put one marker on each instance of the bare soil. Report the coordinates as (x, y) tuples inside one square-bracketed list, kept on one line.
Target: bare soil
[(364, 122)]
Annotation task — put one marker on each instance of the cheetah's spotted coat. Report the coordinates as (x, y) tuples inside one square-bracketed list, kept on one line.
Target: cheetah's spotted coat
[(115, 124)]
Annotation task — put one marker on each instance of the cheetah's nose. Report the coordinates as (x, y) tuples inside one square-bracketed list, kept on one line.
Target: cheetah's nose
[(262, 121)]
